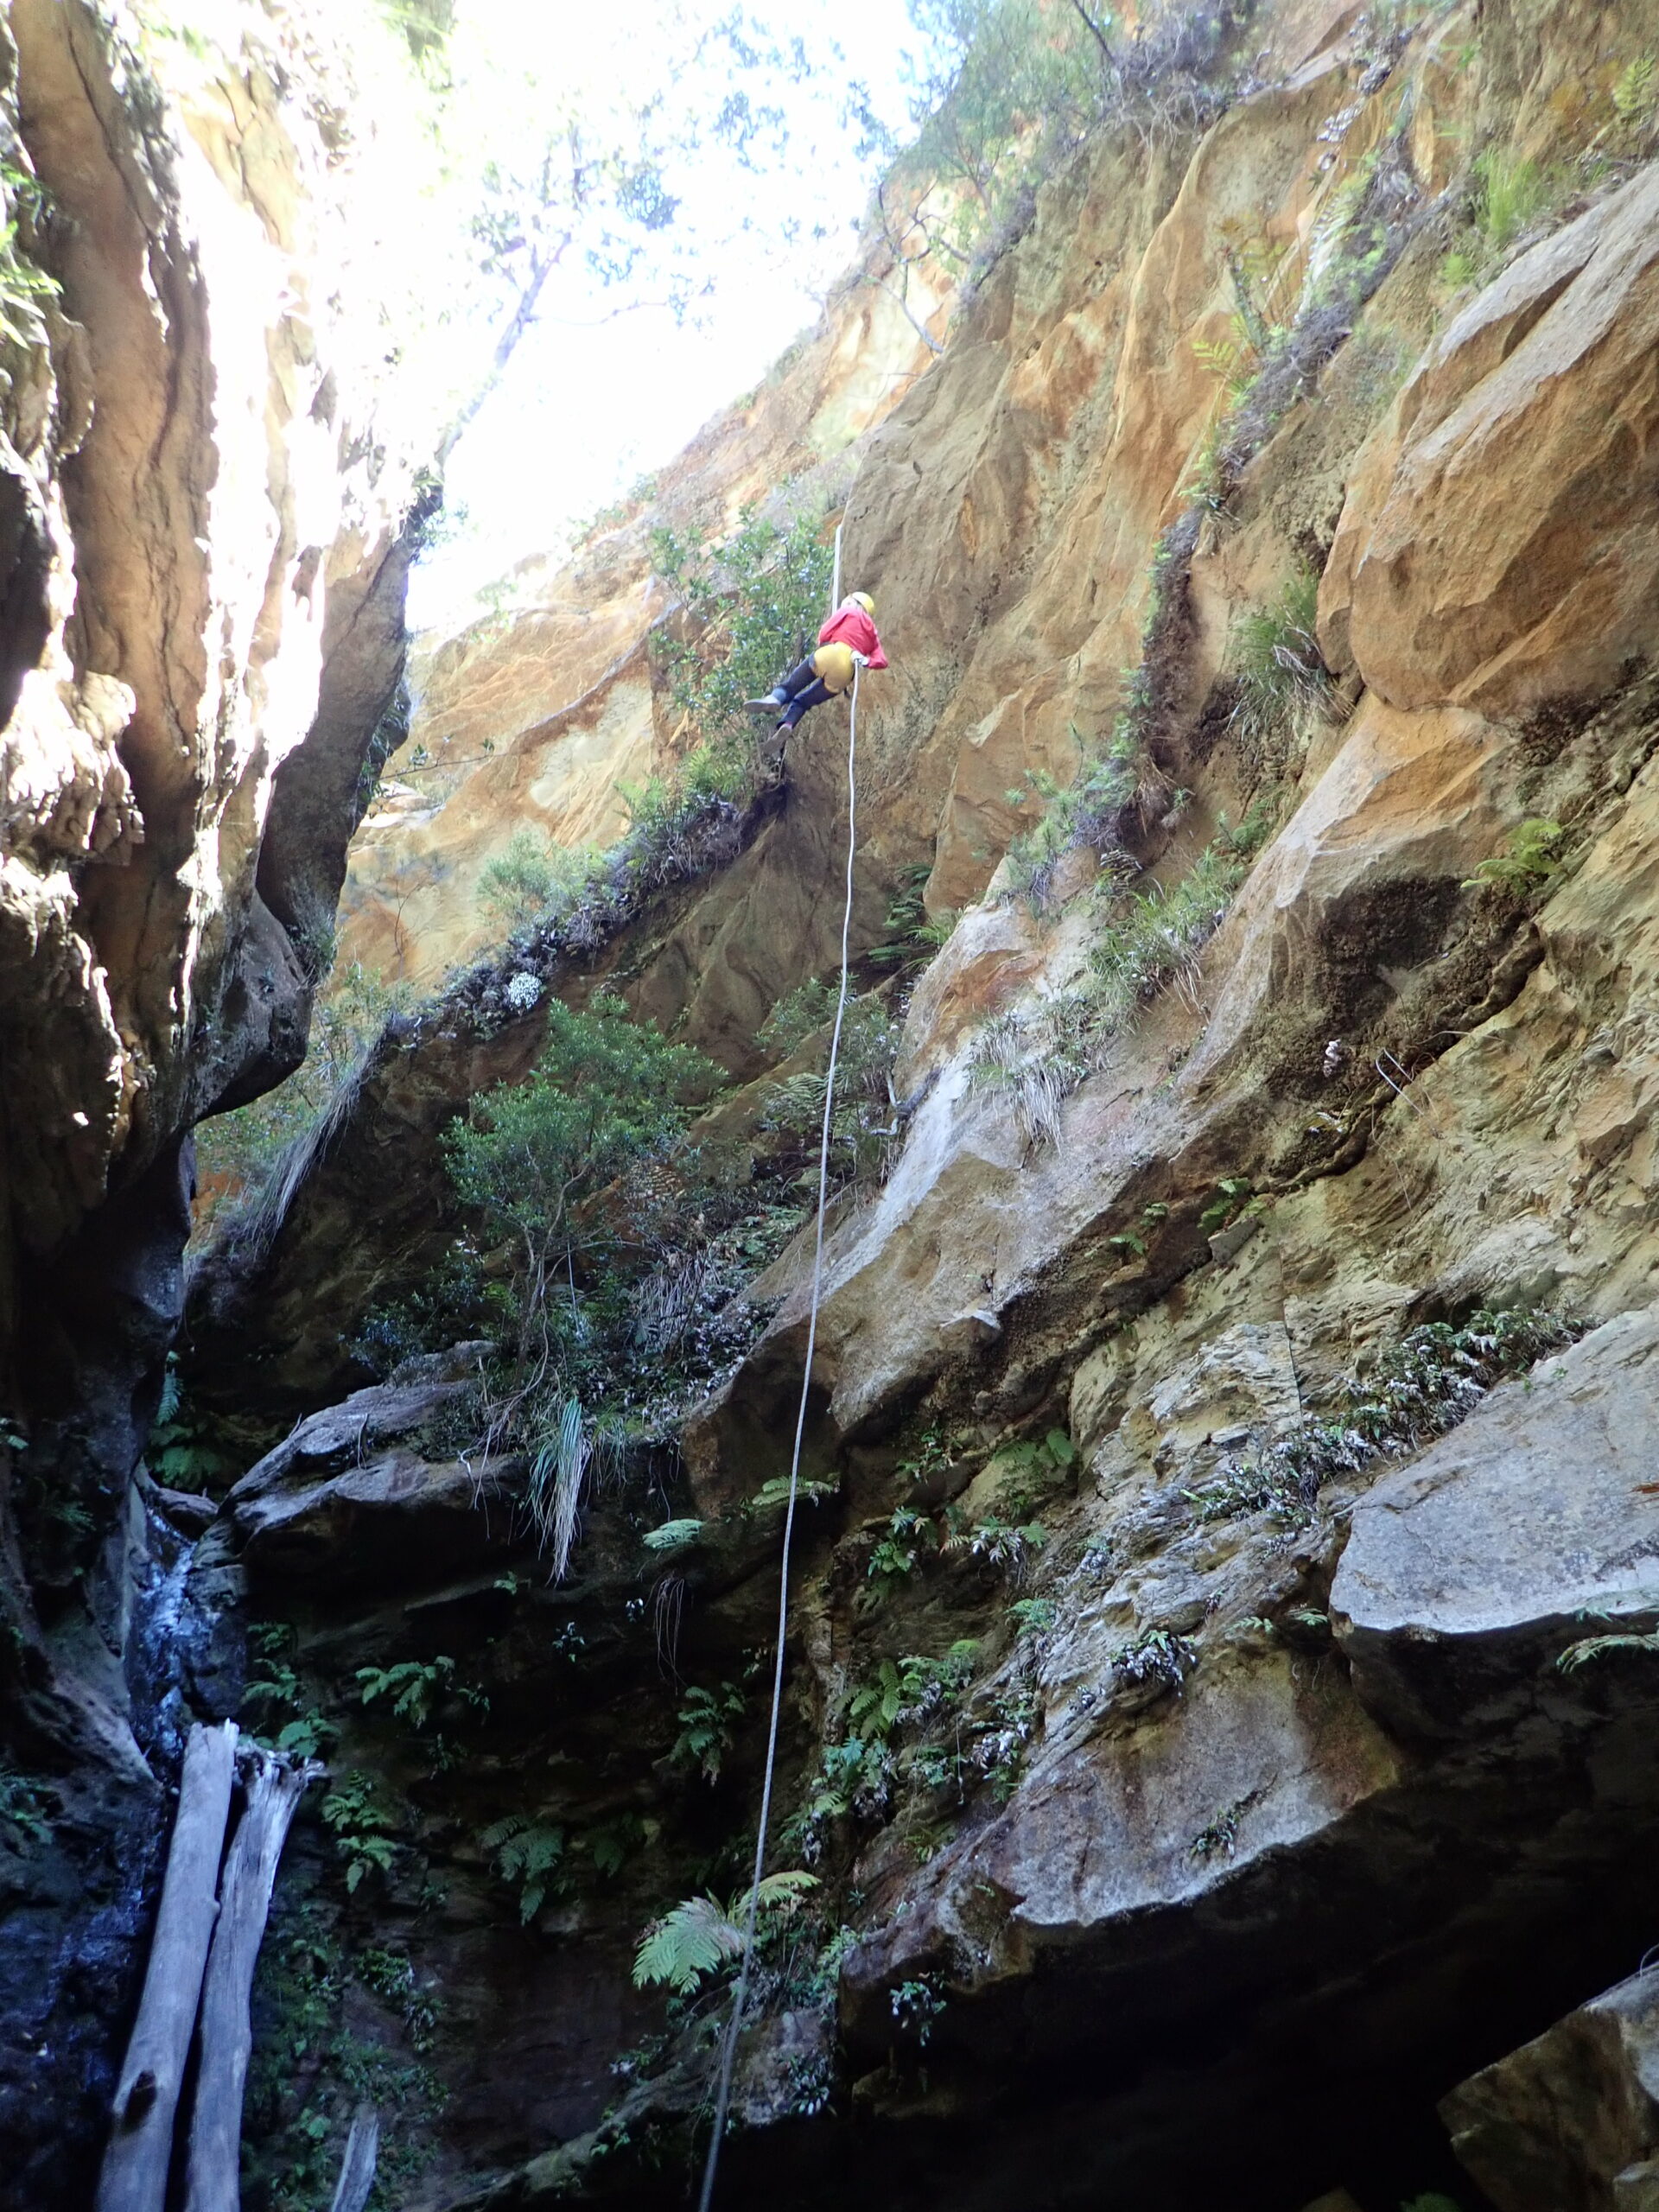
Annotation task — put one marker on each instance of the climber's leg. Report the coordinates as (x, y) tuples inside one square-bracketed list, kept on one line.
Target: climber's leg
[(803, 702), (787, 686)]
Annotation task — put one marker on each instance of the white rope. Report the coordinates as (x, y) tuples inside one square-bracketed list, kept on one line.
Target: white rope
[(734, 2027)]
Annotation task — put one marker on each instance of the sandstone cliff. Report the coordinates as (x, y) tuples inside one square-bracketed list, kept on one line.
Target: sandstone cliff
[(1222, 1677), (204, 567)]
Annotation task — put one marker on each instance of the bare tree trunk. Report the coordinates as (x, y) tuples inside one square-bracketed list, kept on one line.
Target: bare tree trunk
[(211, 2182), (136, 2163), (357, 2169)]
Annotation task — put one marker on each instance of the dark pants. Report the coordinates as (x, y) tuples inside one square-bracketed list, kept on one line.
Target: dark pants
[(802, 690)]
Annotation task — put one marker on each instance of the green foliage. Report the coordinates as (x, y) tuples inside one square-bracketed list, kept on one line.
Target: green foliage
[(25, 1808), (1013, 88), (1253, 1486), (1591, 1648), (949, 1746), (413, 1685), (391, 1975), (915, 2006), (914, 935), (796, 1016), (364, 1829), (753, 602), (1030, 1471), (187, 1448), (1422, 1386), (673, 1535), (1032, 1616), (773, 1494), (932, 1454), (897, 1551), (1232, 1197), (910, 1690), (708, 1720), (24, 287), (1090, 811), (861, 1126), (1145, 942), (305, 1732), (530, 876), (1508, 195), (1285, 690), (1150, 940), (238, 1152), (1157, 1655), (605, 1091), (1219, 1838), (701, 1935), (1530, 860), (530, 1856), (310, 2068), (1636, 92), (1434, 2202), (1000, 1544)]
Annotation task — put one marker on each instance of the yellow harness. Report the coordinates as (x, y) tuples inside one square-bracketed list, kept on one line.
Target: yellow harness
[(833, 664)]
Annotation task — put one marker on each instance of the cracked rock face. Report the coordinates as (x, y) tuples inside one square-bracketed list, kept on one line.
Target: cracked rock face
[(1538, 1512), (1263, 1815), (203, 595), (1258, 1811)]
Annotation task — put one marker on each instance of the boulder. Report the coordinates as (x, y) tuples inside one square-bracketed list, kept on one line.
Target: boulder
[(345, 1501), (1534, 1522), (1570, 2122), (1499, 545)]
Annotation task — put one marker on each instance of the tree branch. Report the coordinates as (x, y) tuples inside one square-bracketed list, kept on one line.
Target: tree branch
[(1098, 36)]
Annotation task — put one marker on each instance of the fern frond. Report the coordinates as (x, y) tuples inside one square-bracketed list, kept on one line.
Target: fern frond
[(701, 1934), (1596, 1647), (685, 1944), (779, 1895), (673, 1535)]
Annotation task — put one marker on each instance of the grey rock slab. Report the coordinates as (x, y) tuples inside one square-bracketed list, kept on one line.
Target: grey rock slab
[(1470, 1568), (1257, 1760), (373, 1522), (342, 1499), (342, 1435), (1570, 2121)]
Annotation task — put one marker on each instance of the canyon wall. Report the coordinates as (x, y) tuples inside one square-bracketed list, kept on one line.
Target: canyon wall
[(205, 555), (1221, 1692)]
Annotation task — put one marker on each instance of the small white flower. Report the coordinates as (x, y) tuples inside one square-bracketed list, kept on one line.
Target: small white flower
[(523, 991)]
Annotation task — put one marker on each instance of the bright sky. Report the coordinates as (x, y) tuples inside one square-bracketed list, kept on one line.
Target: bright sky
[(590, 404)]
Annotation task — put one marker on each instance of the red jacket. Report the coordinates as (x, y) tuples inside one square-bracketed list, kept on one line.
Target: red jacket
[(851, 626)]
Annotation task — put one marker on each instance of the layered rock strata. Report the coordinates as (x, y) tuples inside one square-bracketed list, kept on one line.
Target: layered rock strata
[(1268, 1802), (203, 558)]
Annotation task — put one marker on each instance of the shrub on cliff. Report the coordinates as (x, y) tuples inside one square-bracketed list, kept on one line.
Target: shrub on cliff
[(607, 1091), (753, 603)]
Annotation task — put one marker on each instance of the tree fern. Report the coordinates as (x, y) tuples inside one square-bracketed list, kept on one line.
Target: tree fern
[(700, 1935)]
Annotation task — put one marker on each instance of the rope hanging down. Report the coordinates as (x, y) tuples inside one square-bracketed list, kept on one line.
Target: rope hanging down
[(734, 2027)]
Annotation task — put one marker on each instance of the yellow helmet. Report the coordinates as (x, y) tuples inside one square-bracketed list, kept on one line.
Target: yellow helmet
[(863, 599)]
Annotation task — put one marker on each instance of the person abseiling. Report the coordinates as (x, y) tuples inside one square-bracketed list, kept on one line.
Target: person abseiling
[(847, 640)]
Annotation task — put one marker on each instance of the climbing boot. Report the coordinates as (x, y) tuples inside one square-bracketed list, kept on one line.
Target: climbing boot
[(775, 698)]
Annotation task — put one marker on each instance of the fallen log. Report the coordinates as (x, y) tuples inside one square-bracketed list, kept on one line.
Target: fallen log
[(211, 2178), (357, 2168), (134, 2175)]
